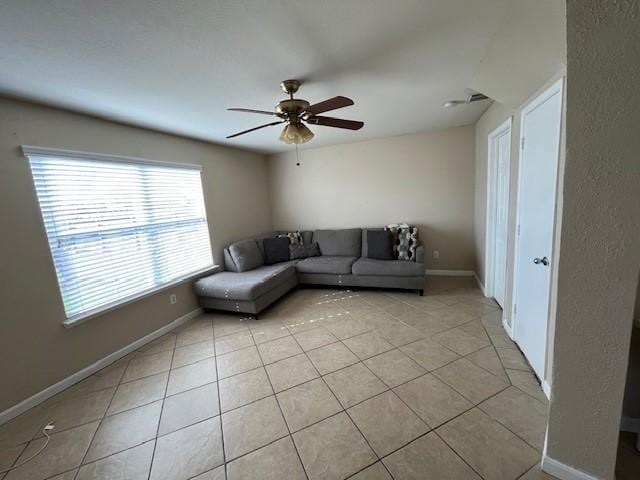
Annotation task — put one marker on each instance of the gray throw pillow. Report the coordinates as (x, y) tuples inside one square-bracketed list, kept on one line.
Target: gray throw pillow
[(246, 255), (276, 250), (379, 245), (304, 251)]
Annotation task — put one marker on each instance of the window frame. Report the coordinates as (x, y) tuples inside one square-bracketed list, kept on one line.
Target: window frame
[(32, 151)]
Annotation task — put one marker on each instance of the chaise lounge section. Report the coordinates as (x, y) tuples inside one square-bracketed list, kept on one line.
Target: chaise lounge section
[(249, 286)]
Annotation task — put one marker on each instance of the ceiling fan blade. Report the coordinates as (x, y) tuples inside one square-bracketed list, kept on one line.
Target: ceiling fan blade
[(256, 128), (335, 122), (249, 110), (331, 104)]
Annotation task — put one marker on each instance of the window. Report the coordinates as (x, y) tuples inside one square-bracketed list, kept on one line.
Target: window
[(118, 228)]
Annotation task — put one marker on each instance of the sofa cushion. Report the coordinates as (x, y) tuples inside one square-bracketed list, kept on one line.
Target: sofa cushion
[(346, 242), (246, 255), (304, 251), (392, 268), (379, 245), (246, 285), (326, 264), (276, 250)]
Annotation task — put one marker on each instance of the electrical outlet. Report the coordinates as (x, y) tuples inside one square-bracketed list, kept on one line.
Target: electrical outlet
[(173, 299), (436, 254)]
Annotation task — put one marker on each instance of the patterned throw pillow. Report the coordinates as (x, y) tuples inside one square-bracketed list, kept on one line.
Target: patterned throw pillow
[(295, 238), (405, 241)]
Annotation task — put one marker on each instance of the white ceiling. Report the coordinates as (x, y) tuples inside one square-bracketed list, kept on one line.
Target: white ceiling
[(176, 66)]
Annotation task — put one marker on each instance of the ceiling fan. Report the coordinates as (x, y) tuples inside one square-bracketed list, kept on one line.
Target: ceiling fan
[(295, 112)]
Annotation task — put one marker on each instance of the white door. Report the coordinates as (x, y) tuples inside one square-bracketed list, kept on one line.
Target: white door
[(502, 155), (537, 188)]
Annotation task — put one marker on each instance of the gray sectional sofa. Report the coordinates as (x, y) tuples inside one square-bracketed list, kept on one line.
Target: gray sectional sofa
[(248, 285)]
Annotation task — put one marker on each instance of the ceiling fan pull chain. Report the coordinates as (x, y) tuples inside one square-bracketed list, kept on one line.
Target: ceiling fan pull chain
[(297, 156)]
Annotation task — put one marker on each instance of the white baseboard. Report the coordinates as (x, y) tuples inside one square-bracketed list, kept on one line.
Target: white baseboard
[(450, 273), (507, 327), (562, 471), (91, 369), (480, 284)]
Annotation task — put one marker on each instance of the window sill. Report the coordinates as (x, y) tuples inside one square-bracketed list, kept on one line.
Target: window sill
[(97, 312)]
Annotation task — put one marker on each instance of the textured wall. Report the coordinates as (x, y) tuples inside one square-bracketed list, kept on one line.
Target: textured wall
[(425, 179), (600, 248), (36, 351)]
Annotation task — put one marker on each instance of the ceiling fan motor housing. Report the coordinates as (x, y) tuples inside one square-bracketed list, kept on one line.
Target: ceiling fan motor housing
[(293, 108)]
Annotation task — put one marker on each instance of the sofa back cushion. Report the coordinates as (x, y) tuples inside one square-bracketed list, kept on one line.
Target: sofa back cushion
[(246, 255), (379, 244), (346, 242)]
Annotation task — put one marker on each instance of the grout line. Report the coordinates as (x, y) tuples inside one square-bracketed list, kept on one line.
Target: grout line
[(215, 362)]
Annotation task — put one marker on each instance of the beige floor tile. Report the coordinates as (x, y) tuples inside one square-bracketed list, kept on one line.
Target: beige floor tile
[(499, 337), (536, 473), (64, 452), (428, 354), (399, 334), (473, 382), (367, 345), (217, 473), (513, 359), (138, 392), (278, 349), (192, 376), (244, 388), (394, 368), (522, 414), (189, 407), (475, 329), (188, 452), (160, 344), (527, 382), (333, 449), (307, 403), (290, 372), (374, 318), (492, 450), (9, 456), (132, 464), (265, 333), (354, 384), (235, 341), (194, 334), (460, 342), (454, 316), (488, 359), (278, 461), (252, 426), (70, 475), (147, 365), (426, 323), (346, 326), (331, 357), (377, 471), (192, 353), (24, 427), (229, 326), (433, 400), (125, 430), (428, 457), (386, 422), (238, 362), (315, 338), (81, 409), (97, 381)]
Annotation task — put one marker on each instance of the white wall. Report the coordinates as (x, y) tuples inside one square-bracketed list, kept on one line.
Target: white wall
[(600, 234), (426, 179), (36, 351)]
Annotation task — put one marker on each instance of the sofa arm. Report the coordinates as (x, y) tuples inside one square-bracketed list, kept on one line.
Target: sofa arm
[(420, 253)]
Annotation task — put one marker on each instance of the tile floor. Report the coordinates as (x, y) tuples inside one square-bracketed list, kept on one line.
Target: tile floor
[(327, 384)]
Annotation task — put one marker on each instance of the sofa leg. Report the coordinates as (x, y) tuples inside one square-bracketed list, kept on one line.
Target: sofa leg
[(421, 292)]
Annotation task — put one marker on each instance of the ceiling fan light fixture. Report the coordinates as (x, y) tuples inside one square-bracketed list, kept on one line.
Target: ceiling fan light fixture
[(295, 133)]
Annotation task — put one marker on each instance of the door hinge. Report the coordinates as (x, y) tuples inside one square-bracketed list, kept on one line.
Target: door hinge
[(522, 143), (518, 229), (515, 309)]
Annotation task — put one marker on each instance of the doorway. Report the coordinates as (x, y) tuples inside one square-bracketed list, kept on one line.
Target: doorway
[(536, 213), (499, 156)]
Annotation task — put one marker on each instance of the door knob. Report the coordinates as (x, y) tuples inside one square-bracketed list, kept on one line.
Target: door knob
[(544, 261)]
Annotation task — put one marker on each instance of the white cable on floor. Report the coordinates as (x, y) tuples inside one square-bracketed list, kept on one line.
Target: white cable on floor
[(48, 426)]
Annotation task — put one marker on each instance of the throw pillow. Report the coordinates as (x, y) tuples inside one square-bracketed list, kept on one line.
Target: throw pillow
[(276, 250), (304, 251), (405, 241), (294, 237), (379, 244), (246, 255)]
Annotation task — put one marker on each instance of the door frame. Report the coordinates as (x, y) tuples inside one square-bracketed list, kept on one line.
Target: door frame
[(556, 88), (490, 221)]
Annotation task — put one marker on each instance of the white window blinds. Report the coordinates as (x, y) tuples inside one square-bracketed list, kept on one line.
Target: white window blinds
[(119, 229)]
